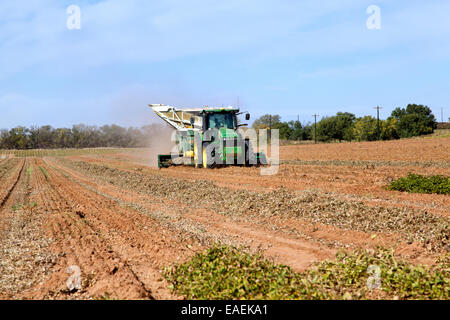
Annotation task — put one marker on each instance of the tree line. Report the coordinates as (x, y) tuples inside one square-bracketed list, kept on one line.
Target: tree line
[(79, 136), (414, 120)]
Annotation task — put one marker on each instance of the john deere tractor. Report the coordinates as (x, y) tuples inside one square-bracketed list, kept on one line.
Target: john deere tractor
[(207, 138)]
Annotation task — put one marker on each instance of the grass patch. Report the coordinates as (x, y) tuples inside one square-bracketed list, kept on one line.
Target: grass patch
[(17, 207), (415, 183), (23, 206), (44, 172), (439, 133), (29, 170), (106, 296), (223, 272)]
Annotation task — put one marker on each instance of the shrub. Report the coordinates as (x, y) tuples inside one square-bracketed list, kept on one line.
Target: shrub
[(420, 184), (223, 272)]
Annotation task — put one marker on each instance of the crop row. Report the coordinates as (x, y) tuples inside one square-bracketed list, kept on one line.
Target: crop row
[(223, 272), (317, 207)]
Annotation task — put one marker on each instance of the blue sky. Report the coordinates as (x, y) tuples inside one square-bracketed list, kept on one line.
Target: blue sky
[(281, 57)]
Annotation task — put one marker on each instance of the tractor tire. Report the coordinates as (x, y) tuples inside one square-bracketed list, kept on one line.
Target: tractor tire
[(262, 159), (196, 157), (207, 157), (250, 156)]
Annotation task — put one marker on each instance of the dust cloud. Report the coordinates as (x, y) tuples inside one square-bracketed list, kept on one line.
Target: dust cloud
[(161, 140)]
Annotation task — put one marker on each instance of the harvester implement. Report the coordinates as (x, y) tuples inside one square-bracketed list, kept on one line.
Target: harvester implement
[(207, 137)]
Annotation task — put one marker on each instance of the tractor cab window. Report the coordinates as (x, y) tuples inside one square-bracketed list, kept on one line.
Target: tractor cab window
[(221, 120)]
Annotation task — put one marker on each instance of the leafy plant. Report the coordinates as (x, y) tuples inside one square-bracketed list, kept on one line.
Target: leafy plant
[(20, 206), (421, 184), (44, 172), (223, 272)]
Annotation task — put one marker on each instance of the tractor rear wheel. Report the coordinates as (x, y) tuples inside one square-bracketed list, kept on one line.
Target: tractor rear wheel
[(250, 156), (207, 157)]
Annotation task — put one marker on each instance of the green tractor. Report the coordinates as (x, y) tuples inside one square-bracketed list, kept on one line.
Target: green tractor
[(207, 138)]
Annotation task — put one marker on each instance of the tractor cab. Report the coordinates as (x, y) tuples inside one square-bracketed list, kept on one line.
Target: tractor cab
[(220, 119)]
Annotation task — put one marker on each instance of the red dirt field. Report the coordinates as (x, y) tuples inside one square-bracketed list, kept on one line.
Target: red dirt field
[(121, 221)]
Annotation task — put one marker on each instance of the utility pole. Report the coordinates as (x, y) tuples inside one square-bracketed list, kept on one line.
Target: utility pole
[(378, 121), (315, 127), (270, 127), (442, 115)]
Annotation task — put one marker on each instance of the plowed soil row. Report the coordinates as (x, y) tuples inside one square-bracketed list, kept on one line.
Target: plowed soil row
[(24, 258), (10, 179), (207, 226), (405, 150), (6, 166), (51, 223), (120, 251), (311, 207), (357, 183)]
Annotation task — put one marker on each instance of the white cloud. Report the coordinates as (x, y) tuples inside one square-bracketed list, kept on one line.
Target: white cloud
[(33, 35), (118, 31)]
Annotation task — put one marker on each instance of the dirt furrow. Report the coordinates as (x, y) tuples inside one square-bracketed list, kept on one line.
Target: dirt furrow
[(5, 168), (73, 243), (359, 183), (11, 183), (286, 249), (315, 207), (24, 259), (272, 233), (134, 238)]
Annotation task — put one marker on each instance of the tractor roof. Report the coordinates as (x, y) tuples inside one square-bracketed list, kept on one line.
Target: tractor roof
[(181, 119), (162, 107), (221, 109)]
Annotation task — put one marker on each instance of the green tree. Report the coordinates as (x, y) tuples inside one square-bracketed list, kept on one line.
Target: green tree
[(267, 121), (285, 131), (338, 127), (62, 138), (365, 129), (308, 132), (4, 135), (18, 138), (45, 136), (389, 129), (297, 132), (415, 120)]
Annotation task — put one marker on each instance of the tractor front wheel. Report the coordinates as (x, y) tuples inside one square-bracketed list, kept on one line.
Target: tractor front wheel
[(196, 157)]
